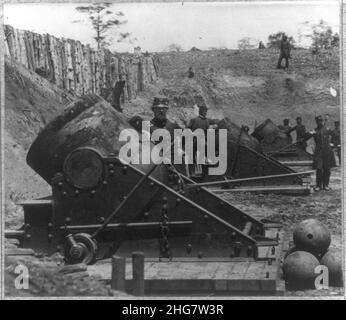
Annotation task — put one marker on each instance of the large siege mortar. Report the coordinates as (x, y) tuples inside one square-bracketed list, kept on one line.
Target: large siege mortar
[(100, 206)]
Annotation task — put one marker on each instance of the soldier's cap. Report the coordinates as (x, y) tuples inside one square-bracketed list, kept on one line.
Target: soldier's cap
[(286, 120), (160, 102), (202, 106), (299, 118), (319, 119)]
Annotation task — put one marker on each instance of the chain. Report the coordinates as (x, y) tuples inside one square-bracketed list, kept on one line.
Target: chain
[(165, 251)]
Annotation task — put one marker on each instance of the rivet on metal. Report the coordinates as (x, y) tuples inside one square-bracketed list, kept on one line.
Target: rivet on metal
[(67, 220)]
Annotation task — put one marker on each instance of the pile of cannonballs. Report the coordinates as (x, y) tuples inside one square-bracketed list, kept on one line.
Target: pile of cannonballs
[(311, 249)]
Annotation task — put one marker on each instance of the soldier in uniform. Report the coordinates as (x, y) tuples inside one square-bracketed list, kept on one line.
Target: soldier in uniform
[(285, 52), (323, 159), (160, 108), (286, 128), (202, 122), (336, 139), (301, 133)]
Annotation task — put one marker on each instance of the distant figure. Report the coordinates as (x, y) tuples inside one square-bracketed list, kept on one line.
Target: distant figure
[(301, 133), (118, 93), (246, 129), (191, 73), (336, 139), (323, 159), (261, 45), (285, 52), (286, 128)]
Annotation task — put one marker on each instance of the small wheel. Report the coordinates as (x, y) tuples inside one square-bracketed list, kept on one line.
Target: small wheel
[(81, 248)]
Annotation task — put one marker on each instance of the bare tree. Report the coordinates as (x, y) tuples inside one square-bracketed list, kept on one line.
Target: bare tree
[(246, 43), (103, 21), (174, 47)]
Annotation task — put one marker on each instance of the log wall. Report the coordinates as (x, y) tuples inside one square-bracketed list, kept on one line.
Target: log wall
[(76, 67)]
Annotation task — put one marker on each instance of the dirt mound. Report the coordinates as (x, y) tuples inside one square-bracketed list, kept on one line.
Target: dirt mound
[(247, 87), (30, 103)]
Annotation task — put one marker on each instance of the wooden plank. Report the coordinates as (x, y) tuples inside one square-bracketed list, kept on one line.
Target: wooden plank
[(19, 252), (14, 234), (297, 163), (36, 202), (291, 190)]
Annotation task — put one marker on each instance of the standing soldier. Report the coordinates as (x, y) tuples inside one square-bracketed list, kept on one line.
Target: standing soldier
[(323, 159), (285, 52), (202, 122), (301, 134), (336, 139)]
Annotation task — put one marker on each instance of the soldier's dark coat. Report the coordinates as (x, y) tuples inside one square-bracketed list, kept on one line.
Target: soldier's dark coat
[(323, 155), (201, 123), (301, 134)]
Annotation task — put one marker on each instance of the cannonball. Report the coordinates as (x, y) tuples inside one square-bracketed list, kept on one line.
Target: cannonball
[(312, 236), (299, 270), (332, 260)]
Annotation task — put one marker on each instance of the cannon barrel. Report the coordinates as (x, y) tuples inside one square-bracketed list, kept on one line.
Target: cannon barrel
[(87, 124), (271, 137), (235, 135)]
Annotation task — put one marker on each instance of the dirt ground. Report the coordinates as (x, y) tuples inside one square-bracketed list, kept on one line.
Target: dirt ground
[(243, 85)]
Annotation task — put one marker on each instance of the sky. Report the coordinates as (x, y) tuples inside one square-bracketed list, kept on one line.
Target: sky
[(155, 26)]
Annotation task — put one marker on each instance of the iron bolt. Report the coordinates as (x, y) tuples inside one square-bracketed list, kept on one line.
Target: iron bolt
[(200, 255)]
